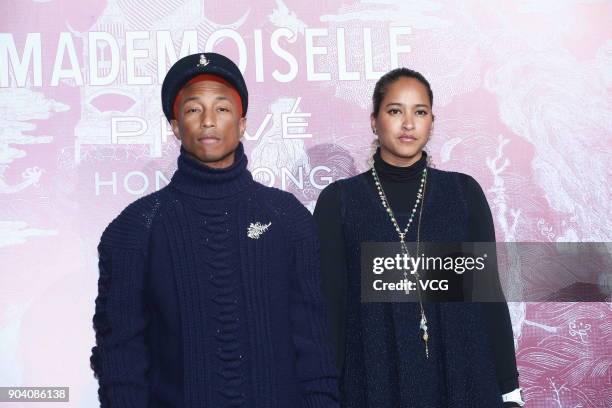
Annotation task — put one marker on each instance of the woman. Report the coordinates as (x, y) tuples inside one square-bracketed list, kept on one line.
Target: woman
[(402, 354)]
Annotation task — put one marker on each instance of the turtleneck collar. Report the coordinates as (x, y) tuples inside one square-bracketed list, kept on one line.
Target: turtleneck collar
[(399, 174), (195, 178)]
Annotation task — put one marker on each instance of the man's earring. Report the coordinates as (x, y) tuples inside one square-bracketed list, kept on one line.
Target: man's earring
[(374, 131)]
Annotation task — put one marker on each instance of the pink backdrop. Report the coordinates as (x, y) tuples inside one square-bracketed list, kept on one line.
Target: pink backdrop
[(522, 97)]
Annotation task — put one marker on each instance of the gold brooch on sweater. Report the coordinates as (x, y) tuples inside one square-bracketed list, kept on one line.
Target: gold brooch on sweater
[(256, 230)]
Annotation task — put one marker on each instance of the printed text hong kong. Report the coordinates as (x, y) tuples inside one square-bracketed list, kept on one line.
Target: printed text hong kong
[(100, 58)]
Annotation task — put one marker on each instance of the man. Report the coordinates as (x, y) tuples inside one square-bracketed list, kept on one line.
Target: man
[(209, 288)]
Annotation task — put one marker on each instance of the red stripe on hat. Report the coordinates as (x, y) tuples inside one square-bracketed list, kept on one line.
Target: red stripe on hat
[(206, 77)]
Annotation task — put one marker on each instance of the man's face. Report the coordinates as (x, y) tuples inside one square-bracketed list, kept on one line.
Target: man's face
[(208, 123)]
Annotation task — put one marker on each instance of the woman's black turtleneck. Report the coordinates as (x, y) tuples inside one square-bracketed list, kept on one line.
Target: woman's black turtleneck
[(401, 185)]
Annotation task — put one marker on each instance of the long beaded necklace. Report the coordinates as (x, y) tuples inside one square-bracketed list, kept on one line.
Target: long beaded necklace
[(402, 235)]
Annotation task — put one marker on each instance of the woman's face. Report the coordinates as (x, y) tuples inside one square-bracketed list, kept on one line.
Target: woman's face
[(404, 122)]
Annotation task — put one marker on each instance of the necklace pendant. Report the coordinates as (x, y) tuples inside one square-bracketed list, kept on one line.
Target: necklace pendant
[(423, 326), (402, 236), (426, 340)]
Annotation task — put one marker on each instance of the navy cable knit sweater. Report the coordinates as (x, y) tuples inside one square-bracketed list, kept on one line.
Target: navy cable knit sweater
[(200, 306)]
